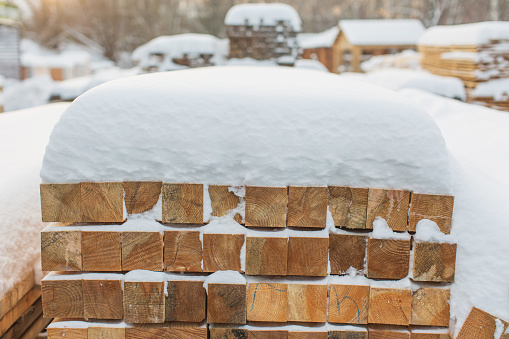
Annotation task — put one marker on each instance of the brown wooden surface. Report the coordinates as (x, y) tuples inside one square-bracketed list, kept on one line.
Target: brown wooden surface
[(62, 298), (479, 324), (267, 334), (308, 256), (101, 251), (430, 335), (387, 334), (61, 202), (345, 251), (144, 302), (307, 303), (61, 250), (348, 206), (102, 202), (183, 203), (102, 299), (35, 328), (222, 201), (389, 306), (434, 262), (430, 307), (20, 325), (74, 333), (267, 302), (388, 258), (307, 206), (221, 252), (266, 256), (266, 206), (348, 334), (142, 251), (106, 333), (141, 196), (156, 332), (437, 208), (226, 303), (348, 304), (186, 301), (182, 251), (308, 335), (392, 205), (11, 298), (228, 333)]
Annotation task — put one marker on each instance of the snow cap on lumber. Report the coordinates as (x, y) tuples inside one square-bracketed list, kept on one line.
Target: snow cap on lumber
[(397, 32), (475, 34), (260, 14)]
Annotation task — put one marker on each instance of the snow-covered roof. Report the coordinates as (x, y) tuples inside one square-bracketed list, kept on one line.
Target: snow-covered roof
[(66, 59), (256, 126), (258, 14), (316, 40), (397, 32), (468, 34)]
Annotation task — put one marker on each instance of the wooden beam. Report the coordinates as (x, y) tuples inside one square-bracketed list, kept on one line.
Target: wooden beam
[(11, 298), (226, 303), (266, 206), (183, 203), (348, 304), (182, 251), (186, 301), (430, 335), (267, 334), (266, 256), (479, 324), (36, 328), (61, 250), (228, 333), (61, 202), (307, 206), (434, 262), (223, 200), (388, 258), (102, 202), (308, 256), (389, 306), (142, 251), (102, 299), (388, 334), (20, 325), (221, 252), (141, 196), (62, 298), (345, 251), (392, 205), (307, 303), (437, 208), (74, 333), (165, 331), (348, 206), (348, 334), (430, 307), (308, 335), (267, 302), (106, 333), (144, 302), (101, 251)]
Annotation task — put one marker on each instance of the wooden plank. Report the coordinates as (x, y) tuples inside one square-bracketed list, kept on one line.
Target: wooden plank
[(308, 256), (308, 335), (345, 251), (19, 309), (437, 208), (223, 200), (61, 202), (431, 335), (74, 333), (392, 205), (144, 302), (388, 334), (167, 332), (142, 251), (430, 307), (25, 321), (228, 333), (62, 298), (102, 299), (348, 304), (106, 333), (267, 334), (61, 250), (434, 262), (348, 334), (388, 258), (266, 206), (479, 324), (183, 203), (389, 306), (186, 301), (36, 328), (307, 303), (226, 303), (221, 252), (267, 302), (102, 202), (101, 251), (141, 196), (11, 298), (266, 256), (182, 251), (307, 206), (348, 206)]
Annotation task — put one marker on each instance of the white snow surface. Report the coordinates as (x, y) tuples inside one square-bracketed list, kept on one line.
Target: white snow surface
[(497, 89), (397, 32), (428, 231), (246, 126), (409, 59), (317, 40), (478, 33), (28, 93), (310, 64), (23, 137), (381, 230), (266, 14), (224, 277)]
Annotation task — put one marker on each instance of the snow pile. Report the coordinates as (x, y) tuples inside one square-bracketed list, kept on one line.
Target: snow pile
[(498, 89), (479, 33), (381, 230), (224, 277), (428, 231), (407, 59), (66, 59), (382, 32), (310, 64), (23, 136), (250, 62), (28, 93), (317, 40), (263, 14), (477, 57), (185, 127)]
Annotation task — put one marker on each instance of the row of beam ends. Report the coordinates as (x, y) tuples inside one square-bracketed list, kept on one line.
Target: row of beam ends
[(294, 206)]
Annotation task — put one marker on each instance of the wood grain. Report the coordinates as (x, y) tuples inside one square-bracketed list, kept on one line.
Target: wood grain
[(183, 203), (182, 251), (266, 256), (35, 328), (388, 334), (156, 332), (479, 324), (141, 196), (434, 262), (226, 303), (345, 251), (74, 333), (19, 309), (222, 201), (308, 335), (62, 298), (11, 298), (348, 334), (389, 306), (102, 202), (348, 206), (307, 303), (142, 251), (61, 250), (388, 258), (266, 206), (221, 252), (308, 256), (267, 302), (186, 301), (437, 208), (267, 334), (392, 205), (101, 251), (348, 304), (430, 307), (24, 322), (144, 302), (106, 333), (61, 202), (228, 333), (431, 335), (307, 206), (102, 299)]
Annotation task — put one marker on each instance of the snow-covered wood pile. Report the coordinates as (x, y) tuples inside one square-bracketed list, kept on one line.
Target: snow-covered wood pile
[(263, 31), (321, 46)]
